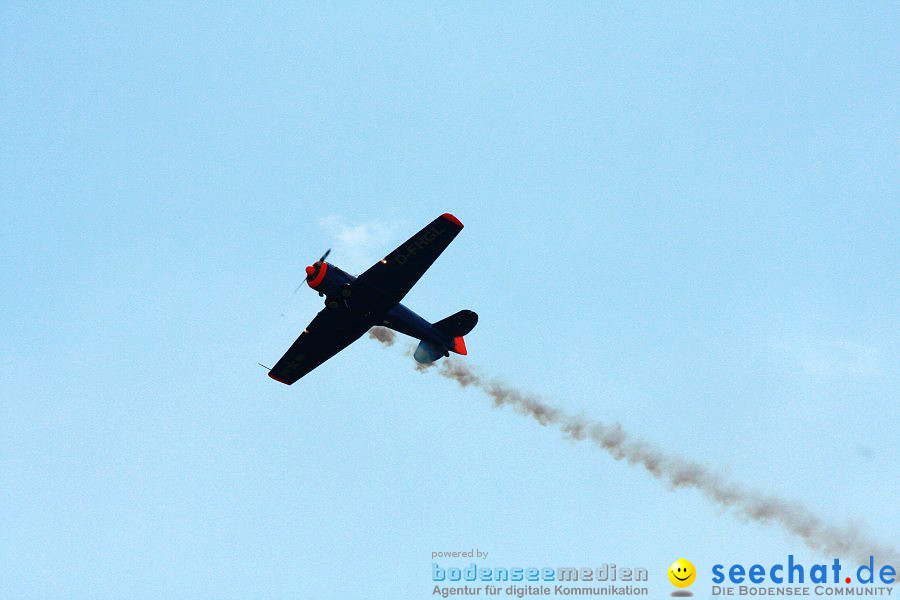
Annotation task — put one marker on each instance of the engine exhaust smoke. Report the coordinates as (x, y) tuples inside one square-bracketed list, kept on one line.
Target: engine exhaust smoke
[(674, 471), (383, 335)]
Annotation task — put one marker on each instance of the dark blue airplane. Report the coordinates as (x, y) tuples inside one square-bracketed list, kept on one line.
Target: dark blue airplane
[(354, 304)]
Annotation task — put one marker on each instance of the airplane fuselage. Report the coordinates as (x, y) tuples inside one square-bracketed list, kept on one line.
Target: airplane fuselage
[(340, 291), (353, 305)]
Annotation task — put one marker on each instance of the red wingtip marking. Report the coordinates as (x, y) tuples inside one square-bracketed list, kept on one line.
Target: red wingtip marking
[(278, 380), (319, 277), (452, 219), (459, 345)]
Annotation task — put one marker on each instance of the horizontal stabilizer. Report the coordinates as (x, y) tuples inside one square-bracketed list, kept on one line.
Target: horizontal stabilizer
[(426, 352), (458, 325)]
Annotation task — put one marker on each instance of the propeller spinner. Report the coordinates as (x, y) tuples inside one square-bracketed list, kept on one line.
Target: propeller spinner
[(312, 270)]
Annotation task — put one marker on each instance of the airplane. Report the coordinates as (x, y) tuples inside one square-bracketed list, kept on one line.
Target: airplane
[(354, 304)]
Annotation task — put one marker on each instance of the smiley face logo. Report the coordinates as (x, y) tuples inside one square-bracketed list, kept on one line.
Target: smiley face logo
[(682, 573)]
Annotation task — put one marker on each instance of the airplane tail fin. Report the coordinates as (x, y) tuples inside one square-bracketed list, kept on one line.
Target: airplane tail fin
[(456, 326)]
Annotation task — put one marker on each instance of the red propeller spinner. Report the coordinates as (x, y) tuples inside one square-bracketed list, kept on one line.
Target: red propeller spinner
[(315, 272)]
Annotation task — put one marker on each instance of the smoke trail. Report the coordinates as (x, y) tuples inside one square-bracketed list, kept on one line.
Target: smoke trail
[(675, 471), (383, 335)]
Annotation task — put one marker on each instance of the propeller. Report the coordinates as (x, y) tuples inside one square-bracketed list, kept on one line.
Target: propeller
[(311, 270)]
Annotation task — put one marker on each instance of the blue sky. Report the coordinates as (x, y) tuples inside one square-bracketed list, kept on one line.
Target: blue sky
[(680, 217)]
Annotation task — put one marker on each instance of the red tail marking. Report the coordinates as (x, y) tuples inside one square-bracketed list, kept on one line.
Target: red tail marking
[(459, 345)]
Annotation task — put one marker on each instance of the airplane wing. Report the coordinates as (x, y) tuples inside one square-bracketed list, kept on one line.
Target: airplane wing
[(395, 275), (331, 331)]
